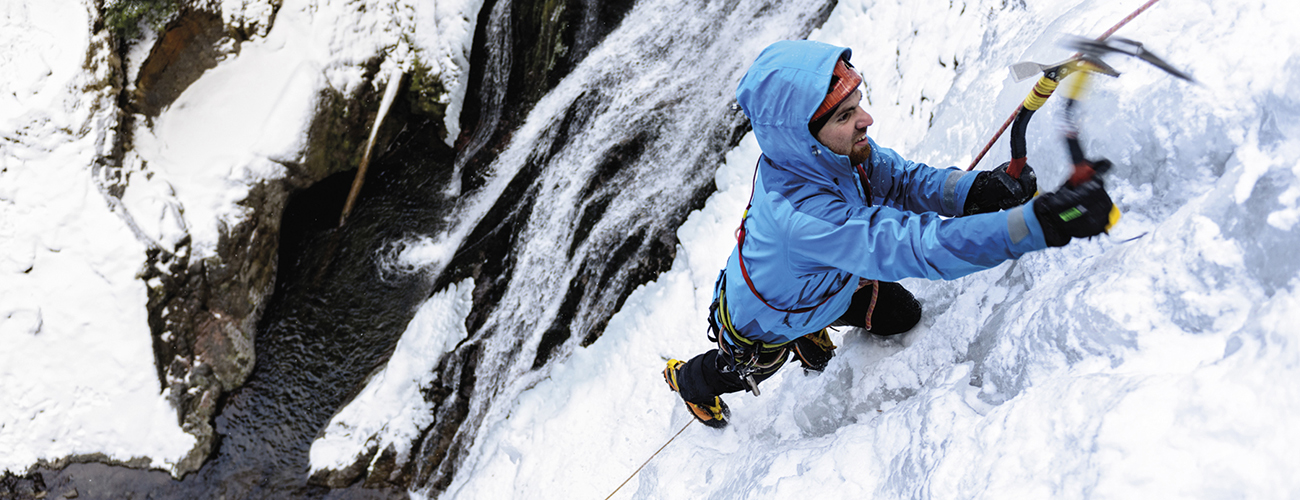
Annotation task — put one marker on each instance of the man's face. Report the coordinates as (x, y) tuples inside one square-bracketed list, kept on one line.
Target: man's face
[(846, 132)]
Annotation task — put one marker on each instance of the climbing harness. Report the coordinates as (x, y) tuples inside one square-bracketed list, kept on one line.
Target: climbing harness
[(747, 358), (1052, 75)]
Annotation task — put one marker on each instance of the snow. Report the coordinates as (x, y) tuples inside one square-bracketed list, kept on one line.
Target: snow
[(391, 410), (77, 373), (444, 33), (1161, 361), (1165, 366)]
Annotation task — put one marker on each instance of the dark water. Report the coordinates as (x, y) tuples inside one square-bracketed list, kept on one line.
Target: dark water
[(330, 322), (642, 163), (334, 316)]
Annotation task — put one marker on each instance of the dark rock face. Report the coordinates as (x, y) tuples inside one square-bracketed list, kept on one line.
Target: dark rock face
[(225, 340), (30, 486), (203, 314), (179, 57)]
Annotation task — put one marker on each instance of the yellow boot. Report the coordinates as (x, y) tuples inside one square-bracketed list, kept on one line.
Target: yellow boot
[(714, 415)]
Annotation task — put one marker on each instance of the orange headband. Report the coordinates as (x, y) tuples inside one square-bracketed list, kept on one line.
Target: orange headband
[(846, 81)]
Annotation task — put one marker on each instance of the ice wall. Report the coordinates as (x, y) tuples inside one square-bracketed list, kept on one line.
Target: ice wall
[(1161, 366)]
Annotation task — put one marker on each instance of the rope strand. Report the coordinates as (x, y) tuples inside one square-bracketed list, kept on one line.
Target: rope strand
[(1104, 36), (647, 461)]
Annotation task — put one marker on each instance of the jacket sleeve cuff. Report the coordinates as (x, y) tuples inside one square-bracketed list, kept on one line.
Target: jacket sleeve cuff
[(955, 189), (1024, 231)]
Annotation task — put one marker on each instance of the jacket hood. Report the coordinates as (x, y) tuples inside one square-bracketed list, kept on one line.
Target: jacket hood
[(780, 93)]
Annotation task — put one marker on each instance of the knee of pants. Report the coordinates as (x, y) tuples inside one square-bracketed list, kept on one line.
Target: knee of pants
[(897, 321), (706, 376), (900, 313), (900, 323)]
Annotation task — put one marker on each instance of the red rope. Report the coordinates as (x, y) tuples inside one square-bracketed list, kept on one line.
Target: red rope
[(1012, 118), (1124, 21)]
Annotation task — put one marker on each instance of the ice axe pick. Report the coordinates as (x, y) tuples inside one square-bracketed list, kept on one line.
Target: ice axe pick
[(1095, 49)]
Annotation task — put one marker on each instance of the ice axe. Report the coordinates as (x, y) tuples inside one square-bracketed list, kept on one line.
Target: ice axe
[(1090, 53), (1050, 75), (1094, 49), (1088, 59), (1035, 68), (1025, 70)]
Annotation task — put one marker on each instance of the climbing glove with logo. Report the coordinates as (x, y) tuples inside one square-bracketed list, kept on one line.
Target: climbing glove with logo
[(995, 190), (1075, 211)]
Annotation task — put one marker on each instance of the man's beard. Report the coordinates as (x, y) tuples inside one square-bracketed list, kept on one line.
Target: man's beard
[(859, 156)]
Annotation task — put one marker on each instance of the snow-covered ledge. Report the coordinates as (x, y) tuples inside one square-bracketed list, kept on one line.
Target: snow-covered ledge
[(379, 425), (76, 371)]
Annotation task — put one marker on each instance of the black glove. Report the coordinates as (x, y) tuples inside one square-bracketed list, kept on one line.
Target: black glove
[(1074, 211), (815, 350), (995, 190)]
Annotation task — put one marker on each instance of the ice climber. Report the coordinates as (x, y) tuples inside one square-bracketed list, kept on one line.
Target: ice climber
[(835, 221)]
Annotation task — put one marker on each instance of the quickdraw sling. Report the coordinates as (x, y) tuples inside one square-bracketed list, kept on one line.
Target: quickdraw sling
[(744, 356)]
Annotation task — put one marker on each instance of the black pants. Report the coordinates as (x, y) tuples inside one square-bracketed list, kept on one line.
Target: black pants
[(896, 311)]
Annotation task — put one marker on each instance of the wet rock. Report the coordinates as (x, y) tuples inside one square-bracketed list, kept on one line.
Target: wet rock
[(338, 479), (17, 487), (204, 317), (384, 470), (189, 47), (204, 312)]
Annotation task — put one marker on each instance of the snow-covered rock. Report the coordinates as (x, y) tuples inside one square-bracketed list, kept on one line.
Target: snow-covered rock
[(141, 186)]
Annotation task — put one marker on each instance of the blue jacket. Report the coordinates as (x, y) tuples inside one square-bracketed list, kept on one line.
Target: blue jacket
[(811, 231)]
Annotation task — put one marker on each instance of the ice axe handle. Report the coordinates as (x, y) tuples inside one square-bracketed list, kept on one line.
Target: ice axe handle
[(1041, 91), (1085, 171)]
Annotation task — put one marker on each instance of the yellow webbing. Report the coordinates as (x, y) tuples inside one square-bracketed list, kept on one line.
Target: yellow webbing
[(726, 324), (1042, 90)]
